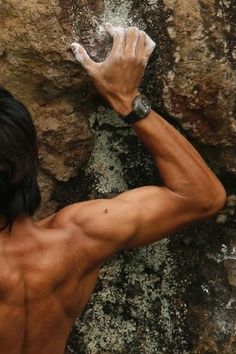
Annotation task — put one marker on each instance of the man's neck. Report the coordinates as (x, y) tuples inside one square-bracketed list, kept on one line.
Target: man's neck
[(22, 222)]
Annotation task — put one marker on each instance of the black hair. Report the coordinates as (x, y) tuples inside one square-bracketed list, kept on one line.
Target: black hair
[(19, 190)]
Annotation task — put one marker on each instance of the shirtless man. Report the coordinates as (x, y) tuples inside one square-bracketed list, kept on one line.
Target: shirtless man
[(49, 268)]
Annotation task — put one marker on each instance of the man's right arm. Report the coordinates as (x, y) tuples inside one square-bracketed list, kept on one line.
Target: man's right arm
[(145, 215)]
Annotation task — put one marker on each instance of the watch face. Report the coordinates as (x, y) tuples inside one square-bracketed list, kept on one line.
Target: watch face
[(142, 106)]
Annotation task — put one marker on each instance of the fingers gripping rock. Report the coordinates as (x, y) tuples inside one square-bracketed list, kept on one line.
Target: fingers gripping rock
[(110, 29), (132, 37), (150, 45), (118, 36), (149, 48), (113, 30), (125, 40), (81, 55)]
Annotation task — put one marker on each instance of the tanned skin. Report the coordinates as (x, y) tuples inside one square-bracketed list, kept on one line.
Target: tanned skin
[(49, 268)]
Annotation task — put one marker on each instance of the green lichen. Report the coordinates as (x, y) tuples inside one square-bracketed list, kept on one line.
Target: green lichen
[(118, 316), (104, 163), (118, 12)]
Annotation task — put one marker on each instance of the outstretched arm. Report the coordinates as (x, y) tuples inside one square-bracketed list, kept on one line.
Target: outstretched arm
[(144, 215)]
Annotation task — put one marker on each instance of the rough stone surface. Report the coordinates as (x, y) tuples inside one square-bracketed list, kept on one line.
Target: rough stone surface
[(177, 296), (38, 67)]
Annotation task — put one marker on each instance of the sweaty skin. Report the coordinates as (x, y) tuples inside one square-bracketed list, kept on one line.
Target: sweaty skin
[(49, 268)]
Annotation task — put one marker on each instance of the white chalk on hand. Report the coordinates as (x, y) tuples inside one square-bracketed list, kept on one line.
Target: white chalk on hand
[(76, 48), (112, 30), (150, 45), (82, 56)]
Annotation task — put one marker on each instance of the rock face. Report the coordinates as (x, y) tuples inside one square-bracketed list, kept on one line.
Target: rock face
[(37, 66), (178, 296)]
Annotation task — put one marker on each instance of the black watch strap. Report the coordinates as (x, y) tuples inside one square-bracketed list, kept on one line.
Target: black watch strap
[(132, 117)]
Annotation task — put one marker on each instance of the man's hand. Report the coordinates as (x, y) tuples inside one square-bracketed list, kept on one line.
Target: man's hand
[(118, 77)]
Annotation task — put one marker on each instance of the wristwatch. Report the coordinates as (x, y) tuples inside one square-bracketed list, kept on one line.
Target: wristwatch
[(141, 108)]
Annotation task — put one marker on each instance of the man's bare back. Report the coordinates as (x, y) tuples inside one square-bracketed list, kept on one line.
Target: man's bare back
[(44, 286), (49, 268)]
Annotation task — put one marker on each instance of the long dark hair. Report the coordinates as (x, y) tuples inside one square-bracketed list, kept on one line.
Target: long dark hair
[(19, 191)]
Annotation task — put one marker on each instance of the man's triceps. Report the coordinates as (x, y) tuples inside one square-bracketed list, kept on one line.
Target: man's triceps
[(159, 213)]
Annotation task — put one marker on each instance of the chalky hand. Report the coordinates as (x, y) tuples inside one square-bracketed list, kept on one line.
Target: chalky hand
[(117, 78)]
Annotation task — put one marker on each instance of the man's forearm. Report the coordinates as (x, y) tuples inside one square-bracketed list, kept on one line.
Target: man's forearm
[(179, 164)]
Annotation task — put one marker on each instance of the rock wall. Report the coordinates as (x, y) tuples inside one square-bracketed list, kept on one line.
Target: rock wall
[(177, 296)]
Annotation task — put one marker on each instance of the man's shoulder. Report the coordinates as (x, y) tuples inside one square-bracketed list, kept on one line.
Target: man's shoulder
[(68, 223), (75, 215), (65, 216), (72, 221), (99, 227)]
